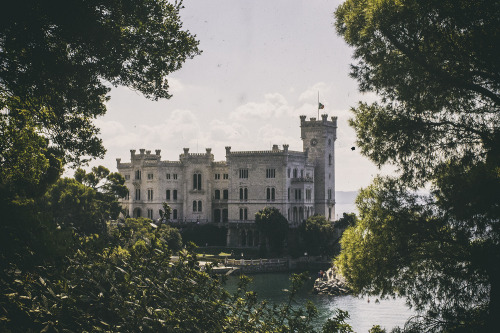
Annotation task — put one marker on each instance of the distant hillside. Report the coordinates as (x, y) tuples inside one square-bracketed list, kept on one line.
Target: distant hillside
[(345, 197)]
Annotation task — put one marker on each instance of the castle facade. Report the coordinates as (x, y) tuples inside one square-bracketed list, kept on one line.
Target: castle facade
[(230, 192)]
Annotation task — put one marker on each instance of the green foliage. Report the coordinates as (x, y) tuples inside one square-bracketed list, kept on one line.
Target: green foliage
[(337, 324), (376, 329), (434, 63), (347, 220), (317, 233), (142, 232), (113, 289), (202, 234), (58, 61), (165, 213), (273, 227), (401, 247), (435, 66), (85, 203)]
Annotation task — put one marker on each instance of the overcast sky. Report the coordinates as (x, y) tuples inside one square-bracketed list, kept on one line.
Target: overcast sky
[(263, 64)]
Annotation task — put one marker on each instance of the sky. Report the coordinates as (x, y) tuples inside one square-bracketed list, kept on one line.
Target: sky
[(263, 65)]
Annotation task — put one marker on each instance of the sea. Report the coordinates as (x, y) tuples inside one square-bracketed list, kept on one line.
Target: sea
[(363, 312)]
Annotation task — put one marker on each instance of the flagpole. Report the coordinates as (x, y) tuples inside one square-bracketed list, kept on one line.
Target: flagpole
[(318, 104)]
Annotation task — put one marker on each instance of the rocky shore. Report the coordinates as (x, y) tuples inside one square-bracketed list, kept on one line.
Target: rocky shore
[(331, 284)]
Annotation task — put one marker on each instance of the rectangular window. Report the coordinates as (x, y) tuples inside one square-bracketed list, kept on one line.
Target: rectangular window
[(150, 214), (329, 194), (168, 176), (217, 194), (175, 195), (127, 177), (175, 176), (137, 174), (137, 194), (167, 195), (199, 206), (217, 215), (226, 176), (288, 172), (150, 176), (217, 176), (243, 173), (270, 173), (273, 194), (127, 197), (150, 195), (225, 194), (175, 214), (298, 194)]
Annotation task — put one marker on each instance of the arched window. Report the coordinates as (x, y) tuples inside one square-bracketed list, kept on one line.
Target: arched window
[(199, 206), (243, 214), (195, 207), (243, 193), (273, 194)]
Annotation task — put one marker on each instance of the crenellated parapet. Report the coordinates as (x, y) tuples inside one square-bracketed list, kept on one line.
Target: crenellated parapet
[(197, 158), (274, 151), (313, 123)]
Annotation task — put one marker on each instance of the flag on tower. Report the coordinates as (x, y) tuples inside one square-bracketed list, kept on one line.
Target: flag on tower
[(321, 106)]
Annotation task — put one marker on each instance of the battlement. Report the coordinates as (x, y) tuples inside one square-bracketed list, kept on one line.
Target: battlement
[(313, 122)]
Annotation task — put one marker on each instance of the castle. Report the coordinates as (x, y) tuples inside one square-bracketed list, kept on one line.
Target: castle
[(230, 192)]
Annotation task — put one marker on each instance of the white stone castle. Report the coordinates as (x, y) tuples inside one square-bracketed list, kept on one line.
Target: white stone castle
[(230, 192)]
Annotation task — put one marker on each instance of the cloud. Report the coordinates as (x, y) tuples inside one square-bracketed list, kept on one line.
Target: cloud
[(274, 105), (311, 94)]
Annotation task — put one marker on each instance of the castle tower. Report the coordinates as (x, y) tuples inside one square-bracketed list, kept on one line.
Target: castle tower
[(318, 139)]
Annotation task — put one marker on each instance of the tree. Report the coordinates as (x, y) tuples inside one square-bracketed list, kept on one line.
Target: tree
[(58, 60), (86, 202), (134, 232), (317, 233), (434, 65), (273, 227), (139, 289), (347, 220)]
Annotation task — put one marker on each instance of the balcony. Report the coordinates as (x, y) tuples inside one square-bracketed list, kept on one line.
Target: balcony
[(302, 180)]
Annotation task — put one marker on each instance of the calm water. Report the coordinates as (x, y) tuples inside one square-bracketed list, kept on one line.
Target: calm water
[(363, 315)]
